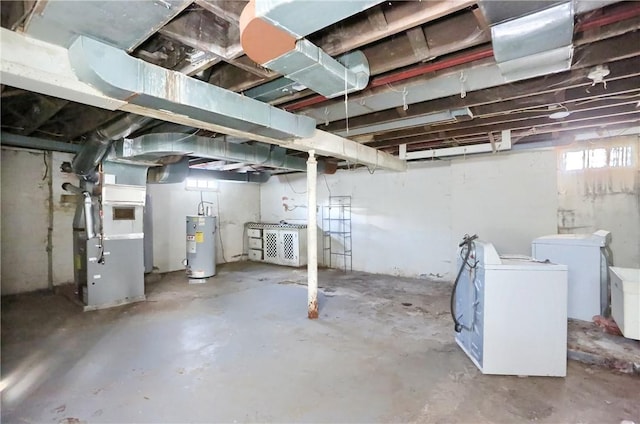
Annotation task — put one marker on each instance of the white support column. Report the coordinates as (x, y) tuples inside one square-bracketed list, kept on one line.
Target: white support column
[(312, 237)]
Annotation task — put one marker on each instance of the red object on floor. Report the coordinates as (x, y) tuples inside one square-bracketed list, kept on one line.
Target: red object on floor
[(607, 324)]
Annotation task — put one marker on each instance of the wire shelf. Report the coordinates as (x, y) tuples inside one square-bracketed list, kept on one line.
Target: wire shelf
[(336, 226)]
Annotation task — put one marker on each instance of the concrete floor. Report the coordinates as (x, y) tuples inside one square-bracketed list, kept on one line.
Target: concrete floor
[(240, 349)]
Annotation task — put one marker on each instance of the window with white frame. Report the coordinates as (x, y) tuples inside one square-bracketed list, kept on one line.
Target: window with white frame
[(201, 184), (599, 157)]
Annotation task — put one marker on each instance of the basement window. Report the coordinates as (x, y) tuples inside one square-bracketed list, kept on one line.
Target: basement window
[(601, 157), (201, 184)]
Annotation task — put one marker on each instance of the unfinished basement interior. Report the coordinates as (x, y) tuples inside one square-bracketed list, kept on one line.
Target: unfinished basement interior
[(348, 211)]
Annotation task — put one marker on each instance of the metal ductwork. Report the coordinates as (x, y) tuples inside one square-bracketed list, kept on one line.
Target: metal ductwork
[(242, 177), (41, 67), (277, 88), (444, 117), (170, 173), (533, 38), (271, 33), (416, 90), (98, 143), (177, 172), (150, 148), (537, 43), (87, 208), (121, 76)]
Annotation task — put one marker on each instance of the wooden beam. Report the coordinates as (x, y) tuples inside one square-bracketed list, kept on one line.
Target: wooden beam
[(200, 31), (227, 10), (418, 43), (620, 92), (43, 110), (201, 64), (612, 115), (620, 52), (75, 120), (248, 65), (377, 19), (403, 16)]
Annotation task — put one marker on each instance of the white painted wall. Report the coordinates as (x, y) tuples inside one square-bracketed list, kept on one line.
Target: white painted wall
[(171, 203), (409, 223), (507, 199), (25, 212), (607, 199), (25, 221), (64, 208)]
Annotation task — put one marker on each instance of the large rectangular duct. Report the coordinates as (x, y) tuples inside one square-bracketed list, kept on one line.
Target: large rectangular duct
[(121, 76), (536, 44), (275, 46), (151, 147), (303, 17), (310, 66)]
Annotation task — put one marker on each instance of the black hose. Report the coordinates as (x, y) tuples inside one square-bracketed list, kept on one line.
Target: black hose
[(468, 241)]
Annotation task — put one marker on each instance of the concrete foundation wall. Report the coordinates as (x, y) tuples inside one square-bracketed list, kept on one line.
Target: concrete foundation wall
[(607, 199), (25, 220), (171, 203), (409, 223)]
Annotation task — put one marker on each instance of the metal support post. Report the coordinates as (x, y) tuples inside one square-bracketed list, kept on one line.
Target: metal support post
[(312, 234)]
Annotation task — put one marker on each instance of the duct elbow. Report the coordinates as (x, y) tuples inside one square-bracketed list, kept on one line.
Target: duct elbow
[(300, 60), (88, 215), (260, 40)]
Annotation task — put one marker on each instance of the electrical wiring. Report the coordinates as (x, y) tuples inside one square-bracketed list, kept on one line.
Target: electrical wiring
[(219, 227), (466, 246), (46, 166), (291, 187), (327, 184)]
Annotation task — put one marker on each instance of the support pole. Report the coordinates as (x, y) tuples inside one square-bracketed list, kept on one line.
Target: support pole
[(312, 236)]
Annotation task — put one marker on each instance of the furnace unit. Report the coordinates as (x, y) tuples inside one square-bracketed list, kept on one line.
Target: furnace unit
[(108, 243)]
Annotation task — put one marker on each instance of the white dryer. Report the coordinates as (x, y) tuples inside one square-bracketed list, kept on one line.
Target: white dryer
[(588, 259)]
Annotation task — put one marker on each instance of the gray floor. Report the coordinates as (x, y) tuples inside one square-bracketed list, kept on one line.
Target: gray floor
[(240, 349)]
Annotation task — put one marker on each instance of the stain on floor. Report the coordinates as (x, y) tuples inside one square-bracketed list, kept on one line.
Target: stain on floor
[(241, 349)]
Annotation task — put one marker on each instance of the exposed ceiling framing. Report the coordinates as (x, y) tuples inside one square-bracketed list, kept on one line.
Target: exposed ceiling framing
[(407, 43)]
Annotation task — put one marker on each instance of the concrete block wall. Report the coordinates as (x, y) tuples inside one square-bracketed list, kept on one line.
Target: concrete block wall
[(405, 224), (25, 220)]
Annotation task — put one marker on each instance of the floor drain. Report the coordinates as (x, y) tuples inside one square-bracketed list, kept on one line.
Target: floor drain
[(406, 304)]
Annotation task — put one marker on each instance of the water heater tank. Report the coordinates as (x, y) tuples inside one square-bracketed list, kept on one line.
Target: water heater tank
[(201, 254)]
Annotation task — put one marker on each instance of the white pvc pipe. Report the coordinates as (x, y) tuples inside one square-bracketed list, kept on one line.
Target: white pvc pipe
[(312, 236)]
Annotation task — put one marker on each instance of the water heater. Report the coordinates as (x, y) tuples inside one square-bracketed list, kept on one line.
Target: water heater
[(201, 254)]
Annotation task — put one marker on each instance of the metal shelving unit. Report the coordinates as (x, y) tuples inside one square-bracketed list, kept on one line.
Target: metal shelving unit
[(336, 226)]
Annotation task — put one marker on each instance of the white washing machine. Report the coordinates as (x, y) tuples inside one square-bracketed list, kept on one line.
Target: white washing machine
[(513, 312), (588, 259)]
